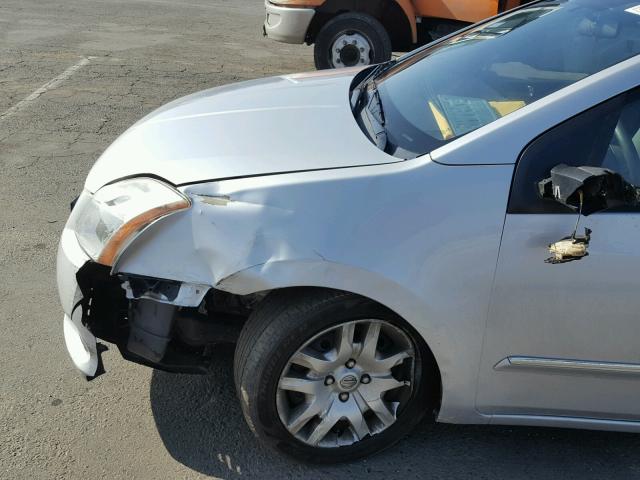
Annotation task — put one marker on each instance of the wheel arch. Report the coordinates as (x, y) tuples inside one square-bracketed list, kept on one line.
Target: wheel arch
[(397, 16), (287, 274)]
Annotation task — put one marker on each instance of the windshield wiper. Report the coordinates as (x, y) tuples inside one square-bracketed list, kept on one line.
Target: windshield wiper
[(367, 106), (358, 91), (377, 71), (371, 116)]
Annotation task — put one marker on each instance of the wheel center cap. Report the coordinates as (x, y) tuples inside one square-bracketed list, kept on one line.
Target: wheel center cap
[(348, 382), (350, 55)]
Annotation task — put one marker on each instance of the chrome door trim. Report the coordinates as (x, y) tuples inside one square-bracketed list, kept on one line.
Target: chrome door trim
[(614, 425), (567, 365)]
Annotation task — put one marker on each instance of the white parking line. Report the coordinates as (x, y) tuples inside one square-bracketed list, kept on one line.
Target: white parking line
[(51, 84), (173, 3)]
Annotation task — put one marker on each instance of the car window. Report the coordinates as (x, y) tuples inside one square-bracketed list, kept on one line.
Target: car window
[(605, 136), (444, 91)]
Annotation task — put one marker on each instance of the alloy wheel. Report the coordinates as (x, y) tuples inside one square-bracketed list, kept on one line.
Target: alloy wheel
[(346, 383)]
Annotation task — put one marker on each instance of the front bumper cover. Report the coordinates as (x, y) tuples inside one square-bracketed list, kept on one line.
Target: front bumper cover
[(153, 322), (80, 342), (287, 24), (104, 312)]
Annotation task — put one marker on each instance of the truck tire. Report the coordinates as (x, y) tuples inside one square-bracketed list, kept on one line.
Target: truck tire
[(351, 39), (373, 383)]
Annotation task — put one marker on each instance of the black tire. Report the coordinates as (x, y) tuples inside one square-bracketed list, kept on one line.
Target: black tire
[(280, 325), (348, 23)]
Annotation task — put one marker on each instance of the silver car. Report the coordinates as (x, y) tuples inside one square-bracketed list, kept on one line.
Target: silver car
[(454, 235)]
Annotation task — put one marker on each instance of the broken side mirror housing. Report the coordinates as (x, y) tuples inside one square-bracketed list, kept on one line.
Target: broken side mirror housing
[(588, 189)]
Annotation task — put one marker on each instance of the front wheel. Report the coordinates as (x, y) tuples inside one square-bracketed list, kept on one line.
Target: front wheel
[(327, 376), (351, 39)]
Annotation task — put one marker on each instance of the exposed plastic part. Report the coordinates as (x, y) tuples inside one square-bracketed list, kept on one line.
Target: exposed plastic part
[(150, 328), (197, 329), (588, 189), (164, 291), (143, 328)]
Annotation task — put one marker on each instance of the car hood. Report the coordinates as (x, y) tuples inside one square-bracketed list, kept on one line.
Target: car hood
[(273, 125)]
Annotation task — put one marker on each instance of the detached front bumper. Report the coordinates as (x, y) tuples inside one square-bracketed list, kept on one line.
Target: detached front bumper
[(153, 322), (287, 24), (81, 343)]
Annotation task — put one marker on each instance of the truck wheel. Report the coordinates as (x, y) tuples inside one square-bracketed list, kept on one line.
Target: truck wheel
[(349, 40), (327, 376)]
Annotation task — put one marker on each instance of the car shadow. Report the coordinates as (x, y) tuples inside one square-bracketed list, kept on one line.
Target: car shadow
[(201, 425)]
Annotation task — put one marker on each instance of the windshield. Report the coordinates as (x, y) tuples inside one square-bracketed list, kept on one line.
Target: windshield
[(439, 93)]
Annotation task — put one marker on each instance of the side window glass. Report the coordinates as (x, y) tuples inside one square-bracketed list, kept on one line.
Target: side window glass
[(607, 135)]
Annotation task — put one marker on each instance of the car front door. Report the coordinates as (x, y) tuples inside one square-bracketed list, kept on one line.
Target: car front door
[(563, 340)]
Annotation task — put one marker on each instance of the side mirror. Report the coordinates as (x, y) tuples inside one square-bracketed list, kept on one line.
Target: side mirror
[(588, 190)]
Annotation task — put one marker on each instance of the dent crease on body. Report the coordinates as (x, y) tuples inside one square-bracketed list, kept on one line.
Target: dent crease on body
[(236, 226)]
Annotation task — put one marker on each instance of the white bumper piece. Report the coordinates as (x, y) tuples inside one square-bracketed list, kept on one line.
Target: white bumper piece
[(287, 24), (80, 342)]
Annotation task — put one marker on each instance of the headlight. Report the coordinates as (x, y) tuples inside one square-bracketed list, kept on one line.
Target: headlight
[(106, 222)]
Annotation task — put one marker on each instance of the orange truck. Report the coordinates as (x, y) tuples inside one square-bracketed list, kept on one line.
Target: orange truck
[(347, 33)]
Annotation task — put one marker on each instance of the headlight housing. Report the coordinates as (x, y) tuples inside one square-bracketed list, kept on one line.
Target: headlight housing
[(106, 222)]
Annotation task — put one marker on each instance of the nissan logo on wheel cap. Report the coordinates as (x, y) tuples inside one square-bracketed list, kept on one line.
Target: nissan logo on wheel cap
[(348, 382)]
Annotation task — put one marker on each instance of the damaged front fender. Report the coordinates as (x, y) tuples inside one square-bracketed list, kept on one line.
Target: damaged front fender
[(392, 233), (219, 236)]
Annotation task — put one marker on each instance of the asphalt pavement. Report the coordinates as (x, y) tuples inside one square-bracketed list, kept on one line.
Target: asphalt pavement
[(74, 74)]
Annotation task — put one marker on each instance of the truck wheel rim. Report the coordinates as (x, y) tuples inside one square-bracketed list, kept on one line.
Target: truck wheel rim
[(349, 50), (347, 383)]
